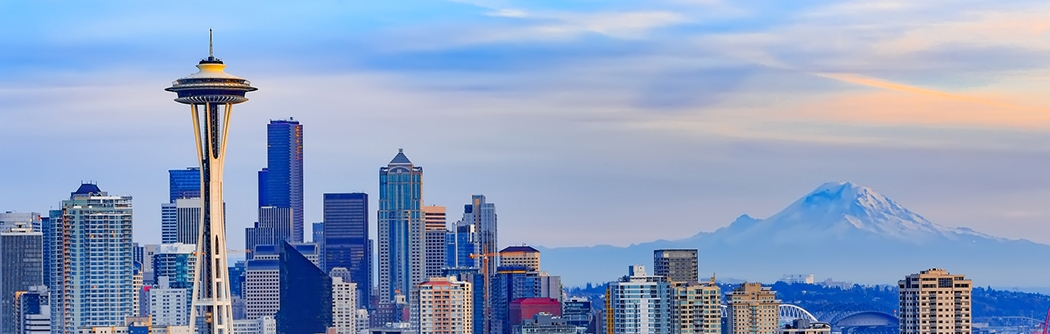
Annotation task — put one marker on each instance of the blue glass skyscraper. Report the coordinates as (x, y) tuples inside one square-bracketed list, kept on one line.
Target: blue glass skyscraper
[(400, 228), (305, 294), (283, 186), (184, 183), (346, 239)]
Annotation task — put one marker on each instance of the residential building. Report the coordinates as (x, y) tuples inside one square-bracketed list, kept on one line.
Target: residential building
[(477, 281), (525, 308), (346, 245), (935, 301), (545, 323), (401, 230), (281, 183), (169, 306), (33, 311), (91, 239), (445, 306), (344, 302), (435, 231), (752, 309), (523, 255), (804, 326), (678, 265), (639, 303), (305, 294), (696, 307), (22, 263)]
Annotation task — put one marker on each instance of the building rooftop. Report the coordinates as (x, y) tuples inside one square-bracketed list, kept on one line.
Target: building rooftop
[(523, 248), (88, 189), (400, 158)]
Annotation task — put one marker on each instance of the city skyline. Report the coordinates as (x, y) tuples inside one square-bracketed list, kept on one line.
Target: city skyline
[(948, 126)]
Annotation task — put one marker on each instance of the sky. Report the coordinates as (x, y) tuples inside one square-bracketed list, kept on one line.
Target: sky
[(586, 122)]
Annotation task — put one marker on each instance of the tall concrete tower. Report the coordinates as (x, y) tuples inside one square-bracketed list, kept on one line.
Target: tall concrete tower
[(211, 94)]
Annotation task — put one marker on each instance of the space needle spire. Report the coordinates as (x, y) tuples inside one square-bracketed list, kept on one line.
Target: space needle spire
[(211, 94)]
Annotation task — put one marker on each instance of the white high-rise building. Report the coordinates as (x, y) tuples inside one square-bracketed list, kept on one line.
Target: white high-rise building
[(362, 321), (445, 306), (935, 301), (169, 306), (640, 303), (344, 303)]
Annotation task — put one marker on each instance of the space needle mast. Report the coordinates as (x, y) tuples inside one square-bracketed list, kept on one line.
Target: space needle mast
[(211, 94)]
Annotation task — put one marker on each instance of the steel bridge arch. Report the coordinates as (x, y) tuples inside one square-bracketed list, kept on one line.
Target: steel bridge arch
[(790, 312)]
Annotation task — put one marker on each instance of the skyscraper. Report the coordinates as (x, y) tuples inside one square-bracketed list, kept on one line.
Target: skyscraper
[(508, 284), (483, 216), (524, 256), (678, 265), (639, 303), (935, 301), (435, 231), (280, 223), (345, 241), (318, 233), (752, 309), (184, 183), (283, 175), (211, 94), (696, 307), (176, 262), (30, 219), (22, 263), (460, 244), (187, 220), (92, 253), (401, 228), (306, 294), (34, 311)]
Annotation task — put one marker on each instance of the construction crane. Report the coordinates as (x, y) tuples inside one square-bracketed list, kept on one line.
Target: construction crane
[(1046, 323), (485, 272)]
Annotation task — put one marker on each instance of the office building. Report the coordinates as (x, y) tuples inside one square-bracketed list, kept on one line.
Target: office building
[(804, 326), (305, 293), (92, 242), (401, 232), (445, 306), (577, 312), (180, 221), (752, 309), (47, 226), (344, 302), (169, 306), (696, 307), (550, 286), (509, 284), (482, 215), (434, 227), (31, 219), (525, 308), (33, 311), (184, 183), (254, 236), (169, 223), (524, 256), (176, 262), (277, 222), (639, 303), (281, 182), (935, 301), (262, 325), (22, 260), (262, 281), (317, 231), (346, 242), (544, 323), (678, 265), (461, 244), (237, 279)]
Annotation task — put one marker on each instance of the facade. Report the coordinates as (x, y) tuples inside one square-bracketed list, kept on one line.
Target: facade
[(22, 263), (696, 307), (545, 323), (935, 301), (477, 281), (344, 303), (184, 183), (305, 294), (803, 326), (33, 311), (550, 286), (345, 242), (263, 325), (752, 309), (525, 308), (281, 185), (434, 228), (401, 232), (278, 224), (187, 220), (678, 265), (639, 303), (169, 306), (169, 223), (262, 288), (92, 242), (460, 244), (445, 306), (508, 285), (482, 215), (525, 256), (577, 312), (317, 233), (176, 262), (32, 220)]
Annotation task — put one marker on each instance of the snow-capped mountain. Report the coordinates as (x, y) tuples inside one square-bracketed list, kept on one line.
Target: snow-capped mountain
[(840, 230)]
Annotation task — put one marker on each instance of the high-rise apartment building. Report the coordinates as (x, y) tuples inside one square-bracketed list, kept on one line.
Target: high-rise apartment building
[(306, 294), (696, 307), (92, 252), (435, 231), (344, 302), (935, 301), (678, 265), (22, 263), (472, 275), (524, 256), (281, 182), (401, 230), (752, 309), (345, 243), (445, 306), (33, 311), (184, 183), (639, 303)]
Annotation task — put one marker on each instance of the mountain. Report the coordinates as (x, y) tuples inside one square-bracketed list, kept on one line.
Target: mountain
[(840, 230)]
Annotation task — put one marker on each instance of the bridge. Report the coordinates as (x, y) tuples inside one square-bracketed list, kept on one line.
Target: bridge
[(842, 319)]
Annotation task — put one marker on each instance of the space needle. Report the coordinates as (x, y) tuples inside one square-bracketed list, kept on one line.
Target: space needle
[(211, 94)]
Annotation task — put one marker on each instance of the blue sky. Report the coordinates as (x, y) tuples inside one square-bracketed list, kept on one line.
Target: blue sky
[(586, 122)]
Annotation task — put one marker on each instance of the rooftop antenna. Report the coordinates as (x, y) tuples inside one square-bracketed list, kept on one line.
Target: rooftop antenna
[(211, 49)]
